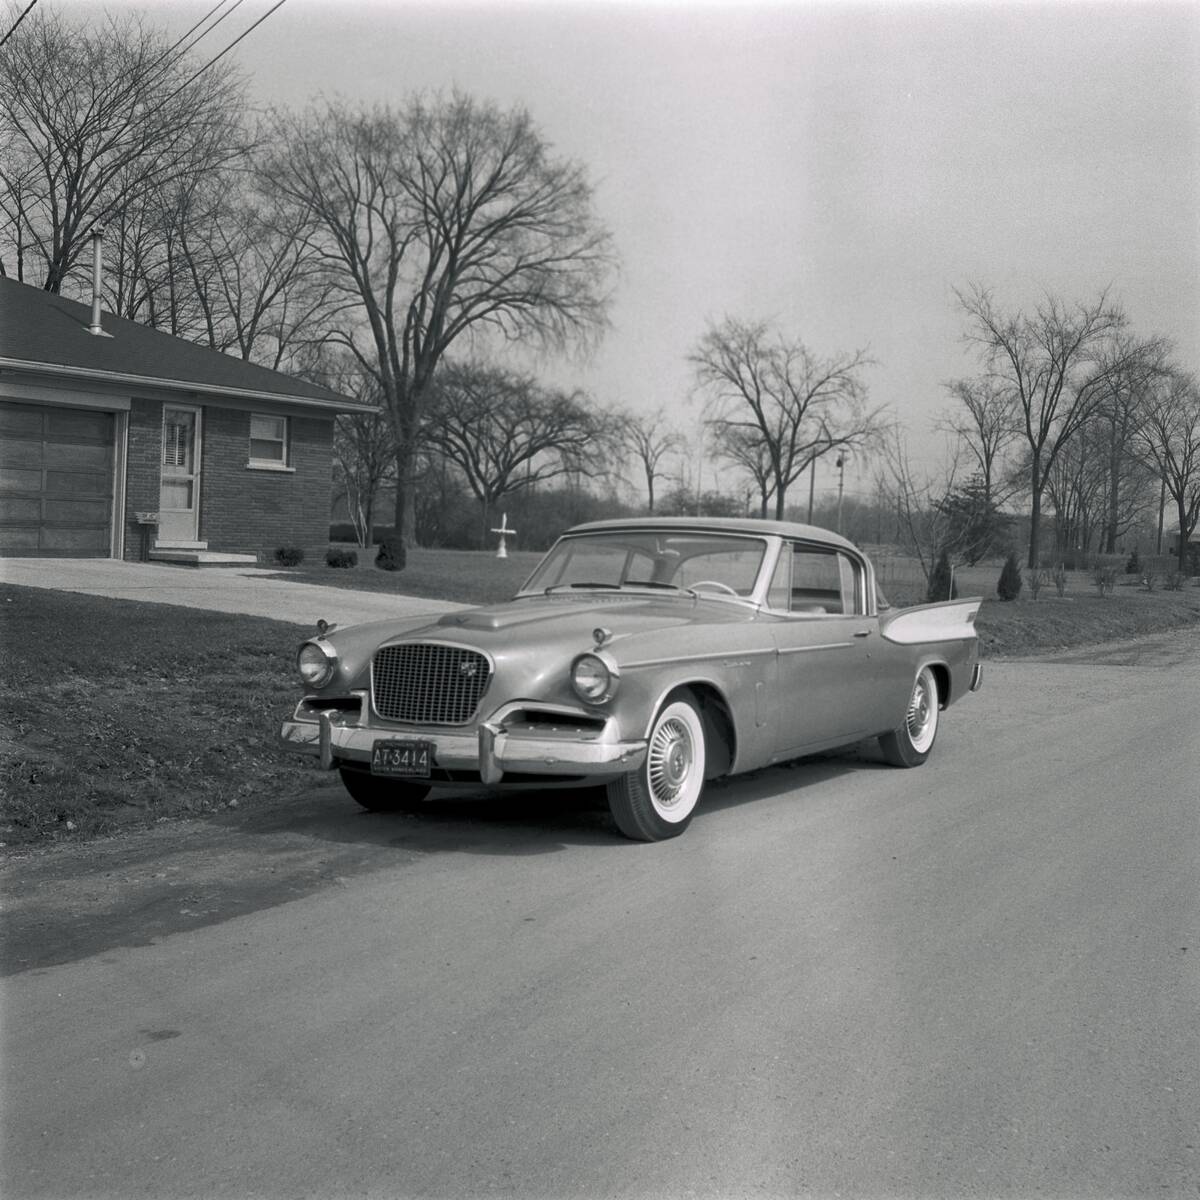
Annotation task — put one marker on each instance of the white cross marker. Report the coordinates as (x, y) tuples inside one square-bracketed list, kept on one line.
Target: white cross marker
[(504, 533)]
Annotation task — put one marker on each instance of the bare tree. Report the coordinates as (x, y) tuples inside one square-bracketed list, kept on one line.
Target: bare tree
[(797, 405), (443, 219), (1075, 488), (648, 439), (1056, 362), (746, 450), (1169, 439), (364, 460), (505, 432), (93, 120), (1114, 428), (919, 498), (985, 423)]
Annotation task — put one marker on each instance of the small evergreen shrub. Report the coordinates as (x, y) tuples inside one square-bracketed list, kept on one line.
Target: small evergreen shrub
[(941, 581), (1009, 585), (1134, 565), (341, 558), (391, 556), (289, 556)]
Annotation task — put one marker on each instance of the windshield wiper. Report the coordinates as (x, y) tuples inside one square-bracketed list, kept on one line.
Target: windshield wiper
[(652, 583), (558, 587)]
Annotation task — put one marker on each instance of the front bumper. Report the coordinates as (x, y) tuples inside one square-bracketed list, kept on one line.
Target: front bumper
[(505, 743)]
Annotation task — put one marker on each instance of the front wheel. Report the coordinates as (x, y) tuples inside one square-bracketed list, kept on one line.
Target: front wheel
[(657, 800), (909, 746), (377, 794)]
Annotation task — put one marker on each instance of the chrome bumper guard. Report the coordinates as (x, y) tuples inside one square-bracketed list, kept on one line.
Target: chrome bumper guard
[(522, 747), (976, 677)]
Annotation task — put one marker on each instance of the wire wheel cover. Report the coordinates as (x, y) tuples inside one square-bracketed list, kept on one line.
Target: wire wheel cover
[(921, 720), (670, 761)]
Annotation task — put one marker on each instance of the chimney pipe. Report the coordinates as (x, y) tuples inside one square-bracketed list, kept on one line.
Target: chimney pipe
[(97, 240)]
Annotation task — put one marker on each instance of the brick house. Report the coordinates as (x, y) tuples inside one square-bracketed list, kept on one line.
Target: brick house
[(127, 442)]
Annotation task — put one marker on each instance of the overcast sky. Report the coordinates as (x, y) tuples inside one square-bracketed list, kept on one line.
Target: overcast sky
[(839, 168)]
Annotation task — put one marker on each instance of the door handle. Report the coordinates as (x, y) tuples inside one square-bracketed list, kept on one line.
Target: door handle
[(862, 633)]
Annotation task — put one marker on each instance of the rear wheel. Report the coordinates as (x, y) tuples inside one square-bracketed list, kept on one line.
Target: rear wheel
[(657, 800), (909, 746), (382, 795)]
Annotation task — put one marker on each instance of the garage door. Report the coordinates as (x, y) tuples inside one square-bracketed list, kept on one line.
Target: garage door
[(56, 481)]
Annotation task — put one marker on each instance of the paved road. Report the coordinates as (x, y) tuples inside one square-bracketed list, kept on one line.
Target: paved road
[(974, 979)]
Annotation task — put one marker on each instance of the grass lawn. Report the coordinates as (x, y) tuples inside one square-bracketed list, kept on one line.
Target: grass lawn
[(117, 713)]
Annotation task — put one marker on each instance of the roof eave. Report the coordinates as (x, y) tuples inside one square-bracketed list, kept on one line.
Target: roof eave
[(180, 385)]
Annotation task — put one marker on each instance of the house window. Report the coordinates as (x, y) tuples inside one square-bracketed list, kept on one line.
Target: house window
[(268, 441)]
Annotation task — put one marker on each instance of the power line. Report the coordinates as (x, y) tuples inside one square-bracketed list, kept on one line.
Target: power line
[(162, 58), (217, 58), (17, 22)]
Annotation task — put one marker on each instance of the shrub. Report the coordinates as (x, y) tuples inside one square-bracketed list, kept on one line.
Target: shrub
[(391, 556), (1059, 576), (341, 558), (1105, 579), (1149, 577), (941, 581), (1174, 581), (1037, 580), (289, 556), (1134, 565), (1009, 585)]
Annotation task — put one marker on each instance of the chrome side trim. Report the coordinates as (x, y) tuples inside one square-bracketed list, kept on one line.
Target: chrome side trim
[(716, 656), (810, 649)]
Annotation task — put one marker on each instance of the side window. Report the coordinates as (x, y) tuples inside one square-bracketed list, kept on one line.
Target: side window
[(824, 582)]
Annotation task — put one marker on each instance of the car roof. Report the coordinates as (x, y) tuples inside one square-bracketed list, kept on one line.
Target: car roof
[(756, 525)]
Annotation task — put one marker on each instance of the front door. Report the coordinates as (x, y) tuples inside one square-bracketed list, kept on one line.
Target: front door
[(828, 689), (179, 490)]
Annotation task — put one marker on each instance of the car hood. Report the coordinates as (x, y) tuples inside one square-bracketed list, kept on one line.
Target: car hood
[(540, 626), (623, 615), (546, 618)]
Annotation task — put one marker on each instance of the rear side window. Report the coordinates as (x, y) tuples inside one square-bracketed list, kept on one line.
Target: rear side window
[(816, 583)]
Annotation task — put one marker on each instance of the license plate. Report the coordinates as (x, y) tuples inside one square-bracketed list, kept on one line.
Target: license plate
[(406, 760)]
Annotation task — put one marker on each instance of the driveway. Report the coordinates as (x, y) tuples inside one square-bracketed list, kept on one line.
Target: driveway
[(250, 590)]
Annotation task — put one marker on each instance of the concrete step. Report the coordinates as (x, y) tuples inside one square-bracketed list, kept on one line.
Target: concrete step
[(203, 558)]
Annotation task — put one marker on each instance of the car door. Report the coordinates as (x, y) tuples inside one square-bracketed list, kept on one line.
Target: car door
[(824, 640)]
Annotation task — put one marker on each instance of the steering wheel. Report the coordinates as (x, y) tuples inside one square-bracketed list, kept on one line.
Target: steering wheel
[(712, 583)]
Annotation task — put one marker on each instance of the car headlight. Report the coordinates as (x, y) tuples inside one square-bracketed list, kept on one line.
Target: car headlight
[(594, 678), (316, 663)]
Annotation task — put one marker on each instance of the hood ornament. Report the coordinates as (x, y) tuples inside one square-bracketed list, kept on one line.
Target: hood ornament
[(600, 635), (324, 627)]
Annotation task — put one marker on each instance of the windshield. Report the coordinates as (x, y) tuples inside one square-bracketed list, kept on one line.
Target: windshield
[(709, 562)]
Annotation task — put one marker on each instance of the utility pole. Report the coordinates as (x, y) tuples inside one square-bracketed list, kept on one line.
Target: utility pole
[(841, 466)]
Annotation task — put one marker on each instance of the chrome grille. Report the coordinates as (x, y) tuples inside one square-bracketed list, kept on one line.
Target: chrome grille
[(427, 683)]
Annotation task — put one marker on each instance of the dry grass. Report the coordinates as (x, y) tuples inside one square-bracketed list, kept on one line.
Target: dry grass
[(117, 713)]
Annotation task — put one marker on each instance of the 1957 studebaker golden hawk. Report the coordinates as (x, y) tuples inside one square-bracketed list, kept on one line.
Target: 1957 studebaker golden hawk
[(647, 656)]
